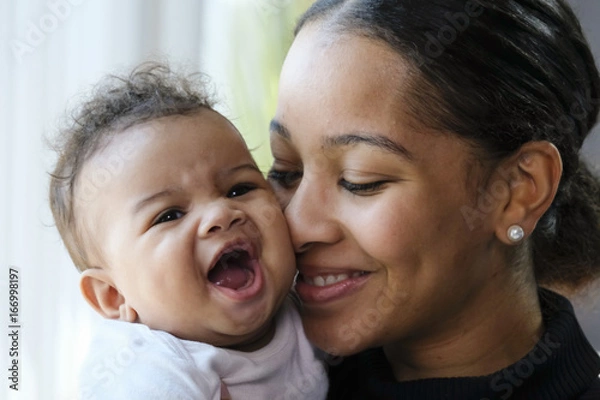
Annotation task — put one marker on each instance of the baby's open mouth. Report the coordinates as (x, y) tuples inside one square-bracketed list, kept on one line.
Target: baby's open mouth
[(233, 270)]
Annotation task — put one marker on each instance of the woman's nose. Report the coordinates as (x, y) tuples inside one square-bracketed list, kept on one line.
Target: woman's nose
[(310, 213), (220, 216)]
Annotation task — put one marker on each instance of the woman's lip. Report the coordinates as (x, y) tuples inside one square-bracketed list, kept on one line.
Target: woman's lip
[(312, 294), (309, 270)]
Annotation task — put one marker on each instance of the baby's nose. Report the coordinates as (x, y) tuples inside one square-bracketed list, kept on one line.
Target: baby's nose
[(220, 216)]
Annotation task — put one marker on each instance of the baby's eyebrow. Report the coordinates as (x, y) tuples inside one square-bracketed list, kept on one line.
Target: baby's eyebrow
[(171, 191), (250, 166), (153, 197), (278, 128)]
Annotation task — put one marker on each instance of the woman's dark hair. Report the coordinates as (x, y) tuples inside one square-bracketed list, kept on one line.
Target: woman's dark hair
[(501, 73)]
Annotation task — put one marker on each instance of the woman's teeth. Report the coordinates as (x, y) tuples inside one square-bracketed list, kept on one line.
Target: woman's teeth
[(326, 280)]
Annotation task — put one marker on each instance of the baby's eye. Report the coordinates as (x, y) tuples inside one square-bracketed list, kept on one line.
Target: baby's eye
[(167, 216), (241, 189), (285, 179)]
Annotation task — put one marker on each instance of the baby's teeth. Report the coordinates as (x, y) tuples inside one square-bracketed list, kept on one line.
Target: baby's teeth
[(356, 274)]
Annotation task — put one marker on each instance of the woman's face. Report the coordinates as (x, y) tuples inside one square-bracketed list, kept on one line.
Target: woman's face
[(374, 202)]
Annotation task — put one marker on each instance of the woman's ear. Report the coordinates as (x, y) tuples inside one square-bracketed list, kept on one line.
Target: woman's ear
[(101, 293), (532, 184)]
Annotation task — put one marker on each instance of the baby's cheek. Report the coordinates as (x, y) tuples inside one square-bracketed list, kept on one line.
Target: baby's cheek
[(266, 212)]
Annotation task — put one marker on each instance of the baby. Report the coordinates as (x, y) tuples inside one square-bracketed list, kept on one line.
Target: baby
[(182, 247)]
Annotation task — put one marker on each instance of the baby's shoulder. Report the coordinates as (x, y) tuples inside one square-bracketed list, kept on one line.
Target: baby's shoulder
[(126, 339), (128, 358)]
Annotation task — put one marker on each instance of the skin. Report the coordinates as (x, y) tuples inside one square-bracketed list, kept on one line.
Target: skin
[(374, 199), (188, 189)]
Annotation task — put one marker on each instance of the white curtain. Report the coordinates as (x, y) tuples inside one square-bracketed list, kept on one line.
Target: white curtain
[(51, 51)]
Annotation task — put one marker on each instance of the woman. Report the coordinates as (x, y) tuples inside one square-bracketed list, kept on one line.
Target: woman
[(426, 156)]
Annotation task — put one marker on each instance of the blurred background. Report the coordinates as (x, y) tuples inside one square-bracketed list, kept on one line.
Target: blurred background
[(54, 50)]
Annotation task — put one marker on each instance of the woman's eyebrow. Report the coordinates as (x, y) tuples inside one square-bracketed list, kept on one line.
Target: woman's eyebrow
[(380, 141), (241, 167), (374, 140)]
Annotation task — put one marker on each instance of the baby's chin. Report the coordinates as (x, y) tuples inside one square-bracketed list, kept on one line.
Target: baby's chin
[(241, 333), (254, 340)]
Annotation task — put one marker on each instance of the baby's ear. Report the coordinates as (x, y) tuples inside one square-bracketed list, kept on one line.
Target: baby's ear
[(101, 293)]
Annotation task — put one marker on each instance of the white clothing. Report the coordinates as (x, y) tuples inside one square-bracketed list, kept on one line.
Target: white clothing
[(131, 361)]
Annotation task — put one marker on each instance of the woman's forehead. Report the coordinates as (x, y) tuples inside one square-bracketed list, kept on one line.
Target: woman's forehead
[(340, 54), (348, 86), (352, 77)]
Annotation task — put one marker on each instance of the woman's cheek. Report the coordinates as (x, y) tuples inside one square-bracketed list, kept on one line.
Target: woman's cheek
[(282, 196), (383, 226)]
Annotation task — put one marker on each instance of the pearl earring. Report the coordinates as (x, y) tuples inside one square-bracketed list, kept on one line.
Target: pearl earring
[(515, 233)]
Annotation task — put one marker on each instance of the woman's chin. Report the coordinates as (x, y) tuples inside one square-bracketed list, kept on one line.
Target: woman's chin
[(336, 337)]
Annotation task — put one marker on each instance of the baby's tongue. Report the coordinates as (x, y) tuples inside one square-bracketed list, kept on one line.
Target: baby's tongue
[(232, 276)]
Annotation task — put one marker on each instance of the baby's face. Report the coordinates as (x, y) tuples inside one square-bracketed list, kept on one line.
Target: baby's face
[(187, 228)]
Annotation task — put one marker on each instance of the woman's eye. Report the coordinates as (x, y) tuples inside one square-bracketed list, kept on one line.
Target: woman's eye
[(167, 216), (285, 179), (241, 189), (362, 188)]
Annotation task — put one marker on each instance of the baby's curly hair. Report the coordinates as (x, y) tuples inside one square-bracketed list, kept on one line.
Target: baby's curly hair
[(152, 90)]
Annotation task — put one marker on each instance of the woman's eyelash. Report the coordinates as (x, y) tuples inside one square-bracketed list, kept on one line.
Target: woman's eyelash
[(287, 178), (284, 178), (362, 187)]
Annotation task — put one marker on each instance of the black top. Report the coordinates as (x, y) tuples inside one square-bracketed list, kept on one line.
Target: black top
[(562, 366)]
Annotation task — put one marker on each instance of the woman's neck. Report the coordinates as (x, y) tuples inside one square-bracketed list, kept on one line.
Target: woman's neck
[(496, 329)]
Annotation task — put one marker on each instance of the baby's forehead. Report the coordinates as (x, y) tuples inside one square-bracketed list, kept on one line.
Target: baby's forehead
[(214, 133), (175, 149)]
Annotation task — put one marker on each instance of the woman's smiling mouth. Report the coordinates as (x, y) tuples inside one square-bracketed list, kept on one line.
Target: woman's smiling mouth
[(325, 287)]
